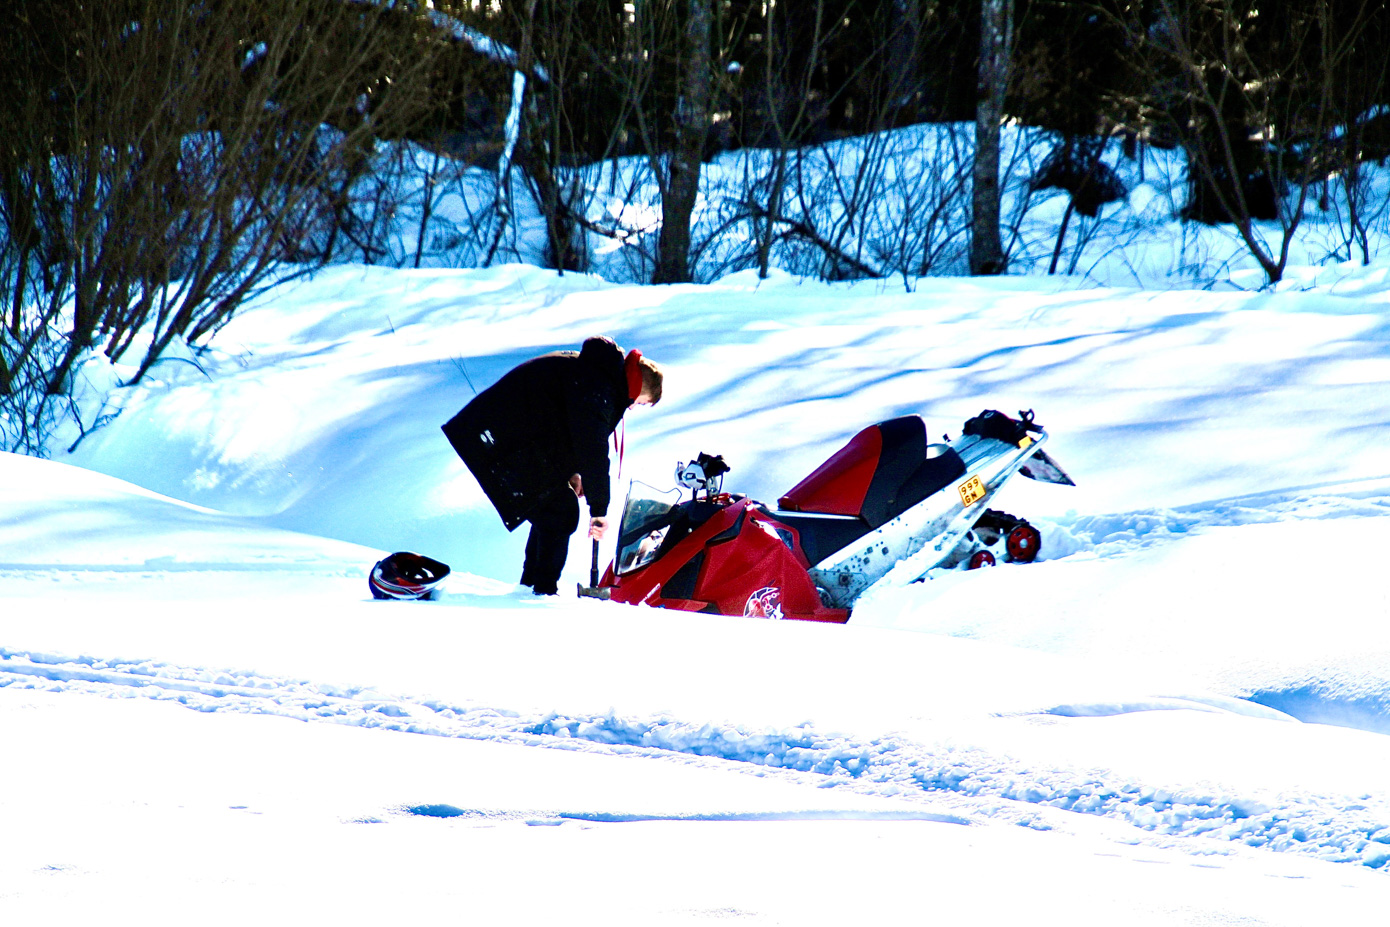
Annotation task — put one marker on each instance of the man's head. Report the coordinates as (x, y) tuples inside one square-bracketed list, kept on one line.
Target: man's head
[(644, 379)]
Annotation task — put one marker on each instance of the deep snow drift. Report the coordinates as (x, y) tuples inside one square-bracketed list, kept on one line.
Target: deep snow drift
[(990, 747)]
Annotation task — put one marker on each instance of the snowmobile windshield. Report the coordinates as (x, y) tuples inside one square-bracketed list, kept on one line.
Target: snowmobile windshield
[(647, 517)]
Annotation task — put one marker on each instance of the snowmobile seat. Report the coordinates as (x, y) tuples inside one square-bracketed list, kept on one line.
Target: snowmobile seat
[(941, 466), (882, 472)]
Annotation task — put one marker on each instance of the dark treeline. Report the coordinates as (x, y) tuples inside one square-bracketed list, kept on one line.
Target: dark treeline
[(1260, 94), (802, 71), (161, 159)]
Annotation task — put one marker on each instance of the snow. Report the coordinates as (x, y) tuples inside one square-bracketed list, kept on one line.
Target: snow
[(1178, 716)]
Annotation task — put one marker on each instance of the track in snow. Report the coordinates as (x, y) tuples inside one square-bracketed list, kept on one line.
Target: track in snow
[(971, 781)]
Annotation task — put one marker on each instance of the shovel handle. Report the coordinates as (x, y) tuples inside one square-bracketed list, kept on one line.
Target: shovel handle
[(593, 566)]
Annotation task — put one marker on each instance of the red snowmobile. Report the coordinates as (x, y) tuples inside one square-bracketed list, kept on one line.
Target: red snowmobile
[(888, 507)]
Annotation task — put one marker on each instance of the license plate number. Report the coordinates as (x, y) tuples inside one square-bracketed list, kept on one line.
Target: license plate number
[(971, 491)]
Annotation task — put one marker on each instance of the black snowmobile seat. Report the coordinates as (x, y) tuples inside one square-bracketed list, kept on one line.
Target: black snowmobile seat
[(941, 467)]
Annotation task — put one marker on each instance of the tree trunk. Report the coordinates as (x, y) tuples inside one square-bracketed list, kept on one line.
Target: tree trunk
[(502, 205), (986, 247), (683, 163)]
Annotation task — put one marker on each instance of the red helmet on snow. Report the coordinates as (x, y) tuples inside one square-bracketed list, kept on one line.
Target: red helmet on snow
[(405, 575)]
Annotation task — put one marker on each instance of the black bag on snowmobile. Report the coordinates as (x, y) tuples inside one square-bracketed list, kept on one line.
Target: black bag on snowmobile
[(997, 425)]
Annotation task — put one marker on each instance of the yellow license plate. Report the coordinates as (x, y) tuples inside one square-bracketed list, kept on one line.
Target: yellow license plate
[(971, 491)]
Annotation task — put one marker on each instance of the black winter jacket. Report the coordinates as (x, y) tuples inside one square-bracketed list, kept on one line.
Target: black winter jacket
[(544, 421)]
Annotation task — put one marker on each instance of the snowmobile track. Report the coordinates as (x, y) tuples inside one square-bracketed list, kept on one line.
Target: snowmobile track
[(971, 783)]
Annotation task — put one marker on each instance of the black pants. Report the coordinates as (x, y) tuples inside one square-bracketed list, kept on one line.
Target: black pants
[(552, 523)]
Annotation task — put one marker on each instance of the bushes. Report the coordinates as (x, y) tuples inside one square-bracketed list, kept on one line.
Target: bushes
[(159, 157), (162, 159)]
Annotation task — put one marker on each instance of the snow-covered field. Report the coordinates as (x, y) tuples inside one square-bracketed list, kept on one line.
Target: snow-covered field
[(1181, 715)]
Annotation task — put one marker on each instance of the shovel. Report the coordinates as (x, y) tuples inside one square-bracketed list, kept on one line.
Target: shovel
[(592, 591)]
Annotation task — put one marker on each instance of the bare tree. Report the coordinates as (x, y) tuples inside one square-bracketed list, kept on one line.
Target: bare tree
[(1359, 83), (161, 160), (680, 181), (556, 151), (1251, 91), (821, 201), (986, 246), (794, 46)]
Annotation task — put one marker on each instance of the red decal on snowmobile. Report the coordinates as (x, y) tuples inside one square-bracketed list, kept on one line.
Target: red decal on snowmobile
[(765, 603)]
